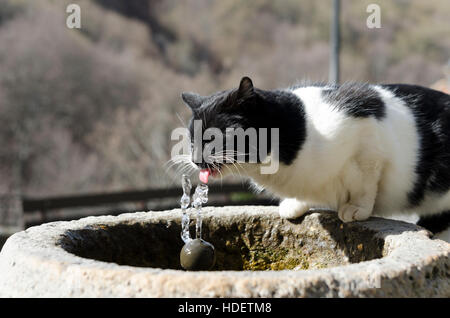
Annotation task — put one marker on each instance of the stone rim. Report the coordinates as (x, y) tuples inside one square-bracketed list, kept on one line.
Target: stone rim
[(415, 265)]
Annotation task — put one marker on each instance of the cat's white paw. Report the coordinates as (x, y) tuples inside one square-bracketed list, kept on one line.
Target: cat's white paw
[(292, 208), (350, 212)]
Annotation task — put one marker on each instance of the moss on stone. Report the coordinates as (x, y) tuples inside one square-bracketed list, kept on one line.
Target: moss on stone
[(273, 259)]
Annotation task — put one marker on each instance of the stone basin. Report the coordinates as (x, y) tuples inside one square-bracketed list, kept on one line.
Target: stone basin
[(258, 255)]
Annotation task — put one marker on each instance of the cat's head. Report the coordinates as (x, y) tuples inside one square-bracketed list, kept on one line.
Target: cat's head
[(220, 114)]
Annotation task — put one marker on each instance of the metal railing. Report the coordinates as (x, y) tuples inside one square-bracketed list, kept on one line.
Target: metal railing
[(226, 194)]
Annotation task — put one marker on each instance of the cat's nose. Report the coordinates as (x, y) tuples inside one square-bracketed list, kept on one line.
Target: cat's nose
[(203, 165)]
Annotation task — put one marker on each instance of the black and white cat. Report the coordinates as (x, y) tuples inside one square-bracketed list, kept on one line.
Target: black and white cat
[(358, 149)]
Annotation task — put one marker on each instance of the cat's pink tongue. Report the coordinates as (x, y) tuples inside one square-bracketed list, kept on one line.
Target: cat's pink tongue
[(203, 175)]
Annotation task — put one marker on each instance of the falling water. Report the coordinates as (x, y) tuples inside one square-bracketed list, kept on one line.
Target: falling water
[(199, 198), (196, 254), (185, 201)]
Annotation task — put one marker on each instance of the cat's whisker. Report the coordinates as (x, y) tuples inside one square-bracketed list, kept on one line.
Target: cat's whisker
[(217, 168), (181, 120), (177, 160)]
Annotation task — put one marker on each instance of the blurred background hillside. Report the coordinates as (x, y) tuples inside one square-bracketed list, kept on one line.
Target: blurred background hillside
[(91, 109)]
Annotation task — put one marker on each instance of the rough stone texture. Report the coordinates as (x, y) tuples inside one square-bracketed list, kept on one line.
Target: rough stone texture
[(81, 258)]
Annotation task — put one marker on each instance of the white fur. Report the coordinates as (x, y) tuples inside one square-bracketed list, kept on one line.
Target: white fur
[(401, 143), (355, 166)]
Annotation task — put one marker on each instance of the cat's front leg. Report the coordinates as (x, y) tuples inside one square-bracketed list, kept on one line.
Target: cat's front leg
[(351, 212), (362, 185), (292, 208)]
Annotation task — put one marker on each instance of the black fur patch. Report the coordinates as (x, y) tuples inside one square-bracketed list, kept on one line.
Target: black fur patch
[(435, 223), (431, 111), (283, 110), (356, 100)]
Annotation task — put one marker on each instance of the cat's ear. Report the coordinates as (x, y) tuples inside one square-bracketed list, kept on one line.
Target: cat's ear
[(246, 89), (193, 100)]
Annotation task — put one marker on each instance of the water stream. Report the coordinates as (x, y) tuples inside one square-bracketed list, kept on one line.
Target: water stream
[(199, 198)]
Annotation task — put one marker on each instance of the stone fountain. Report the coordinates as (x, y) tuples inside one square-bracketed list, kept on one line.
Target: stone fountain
[(258, 255)]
